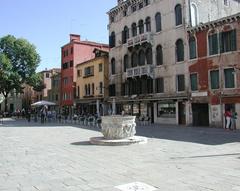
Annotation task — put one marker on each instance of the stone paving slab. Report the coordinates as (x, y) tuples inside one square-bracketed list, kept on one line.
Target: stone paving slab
[(59, 158)]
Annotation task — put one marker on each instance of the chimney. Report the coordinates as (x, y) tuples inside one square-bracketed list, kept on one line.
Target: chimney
[(74, 37)]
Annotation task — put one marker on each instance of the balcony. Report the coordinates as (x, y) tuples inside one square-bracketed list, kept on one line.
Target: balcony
[(139, 39), (140, 71)]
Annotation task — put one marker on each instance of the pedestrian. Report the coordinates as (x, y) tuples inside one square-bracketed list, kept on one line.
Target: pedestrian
[(233, 120), (227, 115)]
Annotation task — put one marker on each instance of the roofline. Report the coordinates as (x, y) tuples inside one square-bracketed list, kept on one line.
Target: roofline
[(90, 43), (91, 60), (215, 23)]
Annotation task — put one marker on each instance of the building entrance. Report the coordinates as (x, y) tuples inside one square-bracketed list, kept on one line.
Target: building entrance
[(200, 114)]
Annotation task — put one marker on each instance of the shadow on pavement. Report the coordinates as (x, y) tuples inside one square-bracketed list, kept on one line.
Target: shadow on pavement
[(82, 143), (201, 135)]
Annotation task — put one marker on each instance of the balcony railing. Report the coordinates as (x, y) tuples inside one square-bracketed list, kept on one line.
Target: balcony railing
[(140, 71), (139, 39)]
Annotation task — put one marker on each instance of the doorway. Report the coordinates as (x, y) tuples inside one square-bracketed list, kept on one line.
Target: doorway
[(200, 114), (181, 113)]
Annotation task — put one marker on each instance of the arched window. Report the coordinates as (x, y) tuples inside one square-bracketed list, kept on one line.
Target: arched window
[(113, 66), (194, 15), (158, 22), (141, 26), (148, 24), (134, 29), (125, 62), (141, 58), (112, 40), (159, 55), (134, 59), (125, 34), (179, 50), (149, 55), (178, 14), (192, 47)]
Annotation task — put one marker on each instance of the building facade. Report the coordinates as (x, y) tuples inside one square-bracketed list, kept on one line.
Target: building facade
[(73, 53), (54, 92), (148, 59), (214, 70), (92, 83), (47, 80)]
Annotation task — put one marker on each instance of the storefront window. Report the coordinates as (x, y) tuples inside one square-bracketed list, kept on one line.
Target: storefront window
[(167, 110)]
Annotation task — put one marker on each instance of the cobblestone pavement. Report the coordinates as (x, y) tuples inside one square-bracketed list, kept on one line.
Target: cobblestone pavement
[(59, 158)]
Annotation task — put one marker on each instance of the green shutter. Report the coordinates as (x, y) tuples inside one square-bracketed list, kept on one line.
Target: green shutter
[(214, 75)]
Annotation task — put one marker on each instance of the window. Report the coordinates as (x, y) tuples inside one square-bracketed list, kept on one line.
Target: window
[(100, 67), (78, 91), (71, 50), (92, 88), (71, 63), (149, 85), (148, 24), (213, 44), (86, 90), (178, 14), (56, 97), (112, 90), (229, 78), (166, 110), (228, 41), (113, 66), (65, 65), (141, 26), (100, 88), (47, 75), (146, 2), (141, 58), (140, 6), (125, 63), (89, 71), (226, 2), (149, 55), (179, 50), (180, 82), (134, 29), (112, 40), (134, 59), (79, 73), (159, 85), (65, 80), (194, 15), (194, 82), (158, 22), (214, 77), (125, 35), (192, 47), (159, 55)]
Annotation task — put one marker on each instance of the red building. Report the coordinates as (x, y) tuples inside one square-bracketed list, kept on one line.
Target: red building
[(214, 69), (73, 53)]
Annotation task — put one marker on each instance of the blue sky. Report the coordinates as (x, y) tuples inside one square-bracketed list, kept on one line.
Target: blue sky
[(48, 23)]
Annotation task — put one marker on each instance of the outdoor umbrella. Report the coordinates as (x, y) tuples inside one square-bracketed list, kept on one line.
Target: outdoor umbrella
[(42, 103)]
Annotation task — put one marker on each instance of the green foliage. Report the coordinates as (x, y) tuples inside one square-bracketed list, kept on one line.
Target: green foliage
[(18, 62)]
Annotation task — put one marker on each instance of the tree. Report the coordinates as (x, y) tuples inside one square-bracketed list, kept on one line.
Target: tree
[(18, 62)]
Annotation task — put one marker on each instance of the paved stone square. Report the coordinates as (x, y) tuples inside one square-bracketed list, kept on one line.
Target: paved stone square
[(59, 158)]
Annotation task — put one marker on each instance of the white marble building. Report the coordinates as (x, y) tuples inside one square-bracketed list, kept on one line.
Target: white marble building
[(149, 54)]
